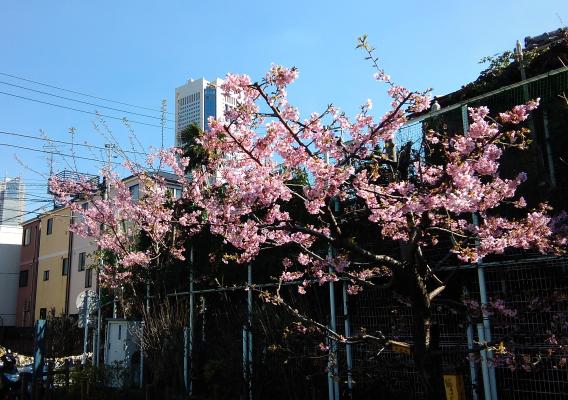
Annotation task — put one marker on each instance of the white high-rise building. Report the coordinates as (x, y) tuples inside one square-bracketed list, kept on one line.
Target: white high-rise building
[(198, 100), (11, 201)]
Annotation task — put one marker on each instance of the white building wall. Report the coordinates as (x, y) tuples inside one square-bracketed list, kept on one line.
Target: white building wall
[(77, 278), (10, 243), (190, 104)]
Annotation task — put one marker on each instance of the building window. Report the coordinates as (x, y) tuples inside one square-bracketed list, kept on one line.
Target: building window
[(173, 192), (65, 266), (27, 236), (82, 261), (81, 214), (134, 191), (49, 226), (42, 313), (88, 278), (46, 275), (24, 278)]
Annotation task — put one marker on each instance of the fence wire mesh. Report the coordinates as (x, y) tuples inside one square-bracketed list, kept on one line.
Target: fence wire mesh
[(529, 298)]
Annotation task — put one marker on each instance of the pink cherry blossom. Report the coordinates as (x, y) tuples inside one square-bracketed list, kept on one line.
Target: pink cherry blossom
[(243, 191)]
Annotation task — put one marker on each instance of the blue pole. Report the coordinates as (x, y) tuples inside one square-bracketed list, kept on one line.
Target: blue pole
[(484, 369), (39, 353)]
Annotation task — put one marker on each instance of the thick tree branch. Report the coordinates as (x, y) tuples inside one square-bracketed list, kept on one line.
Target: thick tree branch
[(276, 111)]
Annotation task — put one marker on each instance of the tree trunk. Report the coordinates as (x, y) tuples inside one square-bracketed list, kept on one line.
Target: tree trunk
[(426, 337)]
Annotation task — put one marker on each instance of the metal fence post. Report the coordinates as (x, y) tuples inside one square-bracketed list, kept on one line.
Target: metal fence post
[(186, 358), (487, 331), (548, 146), (333, 360), (484, 369), (141, 354), (97, 344), (85, 328), (333, 371), (348, 354), (488, 367), (249, 330), (472, 366), (189, 338), (247, 336)]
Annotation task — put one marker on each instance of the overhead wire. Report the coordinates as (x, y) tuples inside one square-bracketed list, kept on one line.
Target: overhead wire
[(90, 146), (81, 93), (43, 199), (34, 211), (84, 111), (57, 153), (85, 102)]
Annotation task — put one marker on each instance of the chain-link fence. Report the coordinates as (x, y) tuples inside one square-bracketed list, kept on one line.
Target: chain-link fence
[(528, 309), (527, 305)]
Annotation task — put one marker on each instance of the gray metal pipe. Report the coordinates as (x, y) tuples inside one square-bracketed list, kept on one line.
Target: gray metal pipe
[(85, 327), (484, 369), (333, 370), (548, 146), (348, 354), (472, 366), (189, 386)]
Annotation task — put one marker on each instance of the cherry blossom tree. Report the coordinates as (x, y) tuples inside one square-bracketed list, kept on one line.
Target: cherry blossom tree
[(443, 191)]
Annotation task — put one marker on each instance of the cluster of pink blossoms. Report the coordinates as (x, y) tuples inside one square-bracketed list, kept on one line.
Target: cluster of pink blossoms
[(242, 192)]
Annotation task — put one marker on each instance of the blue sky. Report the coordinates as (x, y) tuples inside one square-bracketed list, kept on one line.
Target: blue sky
[(137, 52)]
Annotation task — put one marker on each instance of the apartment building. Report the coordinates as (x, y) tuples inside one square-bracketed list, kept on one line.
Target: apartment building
[(53, 263)]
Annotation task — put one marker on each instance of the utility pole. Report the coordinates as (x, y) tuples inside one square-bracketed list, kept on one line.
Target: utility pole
[(72, 132), (49, 149), (105, 189), (163, 118)]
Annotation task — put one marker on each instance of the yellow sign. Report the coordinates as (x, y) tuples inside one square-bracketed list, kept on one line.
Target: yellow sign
[(399, 347), (454, 387)]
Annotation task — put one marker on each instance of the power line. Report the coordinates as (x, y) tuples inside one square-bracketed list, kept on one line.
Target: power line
[(82, 94), (29, 185), (34, 211), (84, 111), (90, 146), (27, 195), (86, 102), (35, 201), (56, 153), (21, 211)]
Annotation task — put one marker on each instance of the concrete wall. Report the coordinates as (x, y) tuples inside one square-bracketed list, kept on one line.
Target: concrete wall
[(10, 243)]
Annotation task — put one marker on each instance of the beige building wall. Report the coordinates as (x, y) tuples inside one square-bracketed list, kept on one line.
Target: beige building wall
[(54, 248), (78, 282)]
